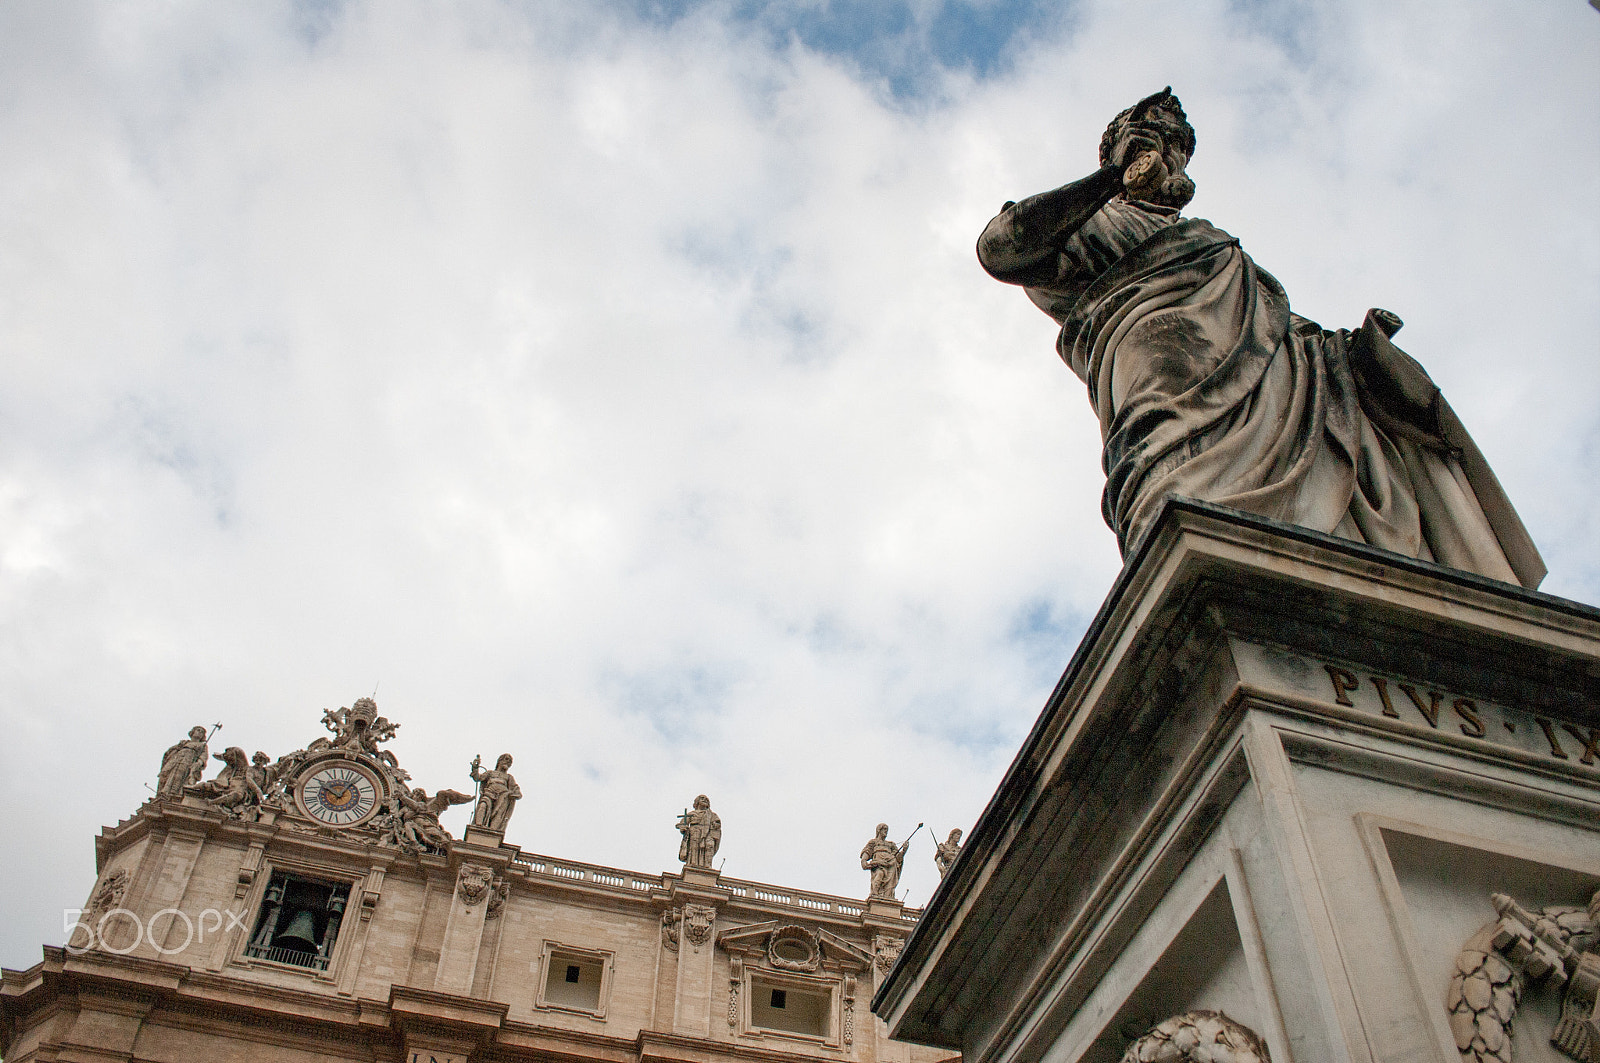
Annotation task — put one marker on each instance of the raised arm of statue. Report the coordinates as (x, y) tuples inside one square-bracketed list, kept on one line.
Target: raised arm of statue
[(1024, 238), (1019, 246)]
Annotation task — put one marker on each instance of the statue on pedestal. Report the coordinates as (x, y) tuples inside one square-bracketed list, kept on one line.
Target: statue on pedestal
[(702, 833), (884, 859), (1207, 386), (182, 764), (499, 794), (945, 853)]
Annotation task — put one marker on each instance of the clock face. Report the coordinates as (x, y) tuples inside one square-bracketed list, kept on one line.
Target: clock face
[(339, 795)]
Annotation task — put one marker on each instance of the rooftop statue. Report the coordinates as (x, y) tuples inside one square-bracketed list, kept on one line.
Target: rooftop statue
[(183, 763), (1208, 386), (702, 833), (884, 859), (945, 853), (498, 795)]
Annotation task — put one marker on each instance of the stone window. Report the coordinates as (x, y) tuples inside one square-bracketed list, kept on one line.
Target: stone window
[(575, 979), (791, 1008), (299, 921)]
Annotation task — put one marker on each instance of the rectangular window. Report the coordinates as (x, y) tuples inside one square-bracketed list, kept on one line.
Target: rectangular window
[(573, 982), (791, 1009), (299, 921)]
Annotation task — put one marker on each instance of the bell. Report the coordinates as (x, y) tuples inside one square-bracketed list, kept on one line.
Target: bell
[(301, 934)]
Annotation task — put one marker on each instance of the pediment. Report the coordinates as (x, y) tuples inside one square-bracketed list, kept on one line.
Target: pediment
[(793, 946)]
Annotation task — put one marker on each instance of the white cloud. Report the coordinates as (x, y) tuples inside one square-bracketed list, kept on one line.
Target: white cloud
[(627, 395)]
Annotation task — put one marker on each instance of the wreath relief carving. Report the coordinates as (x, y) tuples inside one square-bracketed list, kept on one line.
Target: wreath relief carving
[(1496, 965)]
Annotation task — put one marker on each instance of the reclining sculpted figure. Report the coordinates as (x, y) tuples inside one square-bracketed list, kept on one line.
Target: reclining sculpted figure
[(1207, 386)]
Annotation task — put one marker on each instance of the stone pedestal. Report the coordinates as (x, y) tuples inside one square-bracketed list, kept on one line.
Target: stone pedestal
[(478, 867), (1280, 779), (697, 897)]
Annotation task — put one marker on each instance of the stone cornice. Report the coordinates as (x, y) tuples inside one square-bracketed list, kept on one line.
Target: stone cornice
[(293, 1019), (1203, 577)]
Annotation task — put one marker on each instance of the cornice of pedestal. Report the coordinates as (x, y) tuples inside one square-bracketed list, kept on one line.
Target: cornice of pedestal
[(696, 885)]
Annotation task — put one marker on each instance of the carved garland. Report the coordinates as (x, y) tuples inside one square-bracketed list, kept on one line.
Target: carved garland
[(849, 1009), (1198, 1037)]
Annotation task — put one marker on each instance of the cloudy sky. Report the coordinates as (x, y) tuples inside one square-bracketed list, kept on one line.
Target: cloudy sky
[(614, 383)]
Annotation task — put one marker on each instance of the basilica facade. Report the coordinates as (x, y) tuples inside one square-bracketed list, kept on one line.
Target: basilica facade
[(313, 909)]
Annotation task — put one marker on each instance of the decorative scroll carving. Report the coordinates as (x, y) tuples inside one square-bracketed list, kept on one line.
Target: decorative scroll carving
[(886, 949), (697, 922), (473, 883), (1498, 962), (670, 919), (1198, 1037)]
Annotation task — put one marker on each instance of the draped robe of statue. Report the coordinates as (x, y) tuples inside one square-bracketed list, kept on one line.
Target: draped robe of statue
[(1207, 386)]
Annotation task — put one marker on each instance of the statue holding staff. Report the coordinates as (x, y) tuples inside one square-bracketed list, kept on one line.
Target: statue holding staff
[(497, 795), (945, 853), (183, 764), (884, 859), (702, 833)]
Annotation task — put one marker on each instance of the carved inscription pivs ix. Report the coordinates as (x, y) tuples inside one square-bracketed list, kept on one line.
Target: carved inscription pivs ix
[(1396, 700)]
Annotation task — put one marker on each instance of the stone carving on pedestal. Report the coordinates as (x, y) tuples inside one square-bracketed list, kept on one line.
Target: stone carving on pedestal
[(884, 859), (945, 853), (182, 764), (1198, 1037), (472, 884), (498, 794), (1494, 967), (702, 833), (1207, 386), (886, 949)]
